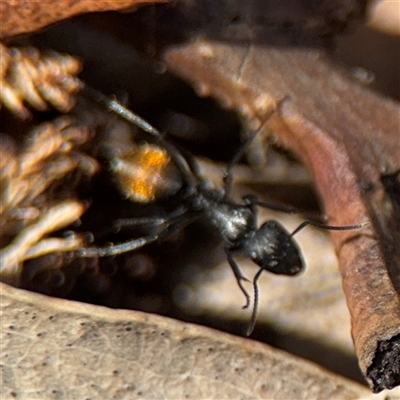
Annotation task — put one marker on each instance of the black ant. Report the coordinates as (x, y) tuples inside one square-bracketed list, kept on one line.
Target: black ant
[(270, 246)]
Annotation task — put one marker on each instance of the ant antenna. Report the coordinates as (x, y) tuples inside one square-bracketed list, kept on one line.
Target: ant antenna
[(253, 318), (328, 227)]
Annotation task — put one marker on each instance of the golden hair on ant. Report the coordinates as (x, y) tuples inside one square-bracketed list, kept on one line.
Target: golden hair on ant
[(146, 173)]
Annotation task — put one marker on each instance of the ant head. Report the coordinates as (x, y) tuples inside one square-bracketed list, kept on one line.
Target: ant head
[(273, 248)]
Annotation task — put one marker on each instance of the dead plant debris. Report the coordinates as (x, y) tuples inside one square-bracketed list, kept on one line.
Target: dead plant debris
[(347, 136)]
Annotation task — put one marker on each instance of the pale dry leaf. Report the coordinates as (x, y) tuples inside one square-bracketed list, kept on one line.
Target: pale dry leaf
[(29, 243), (62, 349)]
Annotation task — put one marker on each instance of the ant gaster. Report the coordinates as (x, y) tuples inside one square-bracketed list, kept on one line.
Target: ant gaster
[(270, 246)]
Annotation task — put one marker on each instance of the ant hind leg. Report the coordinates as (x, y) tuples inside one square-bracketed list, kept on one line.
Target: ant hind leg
[(180, 221), (116, 249)]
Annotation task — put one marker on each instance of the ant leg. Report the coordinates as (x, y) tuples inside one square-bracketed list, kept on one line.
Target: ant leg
[(228, 178), (239, 277), (126, 222), (122, 111), (113, 250), (169, 219), (190, 161), (254, 201), (134, 119), (253, 318), (135, 244)]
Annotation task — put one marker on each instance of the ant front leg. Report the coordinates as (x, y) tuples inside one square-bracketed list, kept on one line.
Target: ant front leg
[(228, 177), (239, 277)]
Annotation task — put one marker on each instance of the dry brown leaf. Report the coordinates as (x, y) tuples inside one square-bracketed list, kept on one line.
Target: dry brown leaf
[(21, 16), (385, 16)]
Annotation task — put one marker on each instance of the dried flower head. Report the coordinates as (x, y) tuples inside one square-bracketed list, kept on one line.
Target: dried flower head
[(30, 76), (35, 200)]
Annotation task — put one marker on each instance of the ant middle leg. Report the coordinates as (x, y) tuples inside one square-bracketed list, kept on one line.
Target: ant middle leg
[(328, 227), (252, 200)]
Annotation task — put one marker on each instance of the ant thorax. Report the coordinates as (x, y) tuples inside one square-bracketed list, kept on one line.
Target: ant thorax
[(234, 222)]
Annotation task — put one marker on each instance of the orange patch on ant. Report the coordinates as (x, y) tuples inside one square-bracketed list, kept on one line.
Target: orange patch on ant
[(144, 173)]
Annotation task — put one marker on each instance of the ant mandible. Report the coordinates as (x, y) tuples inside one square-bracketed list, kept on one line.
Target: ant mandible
[(270, 246)]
